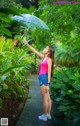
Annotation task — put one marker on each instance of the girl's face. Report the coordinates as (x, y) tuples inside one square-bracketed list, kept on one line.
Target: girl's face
[(45, 51)]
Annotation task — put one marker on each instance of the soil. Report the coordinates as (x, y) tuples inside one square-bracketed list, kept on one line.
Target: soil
[(12, 110)]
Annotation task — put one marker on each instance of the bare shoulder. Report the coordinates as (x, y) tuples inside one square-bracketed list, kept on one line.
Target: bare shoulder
[(50, 61)]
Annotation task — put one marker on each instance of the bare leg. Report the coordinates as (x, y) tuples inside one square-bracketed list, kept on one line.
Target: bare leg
[(49, 101), (45, 97), (49, 105), (46, 103)]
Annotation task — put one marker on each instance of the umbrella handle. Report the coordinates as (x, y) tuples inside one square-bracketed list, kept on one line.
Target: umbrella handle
[(28, 41)]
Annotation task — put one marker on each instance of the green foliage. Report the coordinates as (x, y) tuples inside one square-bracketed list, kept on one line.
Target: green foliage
[(6, 21), (65, 90), (9, 27), (66, 55), (42, 38), (10, 3), (13, 69), (64, 25)]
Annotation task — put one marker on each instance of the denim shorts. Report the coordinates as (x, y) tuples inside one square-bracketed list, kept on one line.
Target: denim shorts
[(43, 79)]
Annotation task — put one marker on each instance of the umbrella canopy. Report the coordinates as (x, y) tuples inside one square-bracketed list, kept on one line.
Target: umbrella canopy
[(30, 21)]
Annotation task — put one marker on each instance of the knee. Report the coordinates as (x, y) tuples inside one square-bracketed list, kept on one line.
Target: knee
[(45, 100), (47, 90)]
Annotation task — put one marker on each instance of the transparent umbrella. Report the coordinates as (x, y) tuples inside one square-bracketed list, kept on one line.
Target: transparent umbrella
[(30, 21)]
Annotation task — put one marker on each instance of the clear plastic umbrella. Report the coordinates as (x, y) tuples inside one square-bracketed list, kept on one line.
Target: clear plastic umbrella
[(30, 21)]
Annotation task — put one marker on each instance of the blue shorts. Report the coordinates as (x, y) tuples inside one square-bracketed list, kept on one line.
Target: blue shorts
[(43, 79)]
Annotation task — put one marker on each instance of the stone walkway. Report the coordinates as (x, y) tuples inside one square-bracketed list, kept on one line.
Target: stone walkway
[(33, 108)]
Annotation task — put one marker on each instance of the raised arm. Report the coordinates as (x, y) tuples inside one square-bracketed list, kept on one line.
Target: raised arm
[(33, 49)]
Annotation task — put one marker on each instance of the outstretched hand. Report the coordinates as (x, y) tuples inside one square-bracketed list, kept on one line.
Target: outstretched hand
[(24, 41)]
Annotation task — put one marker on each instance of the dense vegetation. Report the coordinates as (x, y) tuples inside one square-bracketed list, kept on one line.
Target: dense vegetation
[(63, 21)]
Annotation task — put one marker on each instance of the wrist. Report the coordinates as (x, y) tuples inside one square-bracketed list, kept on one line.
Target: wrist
[(26, 43)]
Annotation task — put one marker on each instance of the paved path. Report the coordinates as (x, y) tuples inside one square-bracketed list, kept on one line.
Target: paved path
[(33, 108)]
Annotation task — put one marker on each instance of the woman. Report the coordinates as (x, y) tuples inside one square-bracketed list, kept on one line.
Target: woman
[(45, 75)]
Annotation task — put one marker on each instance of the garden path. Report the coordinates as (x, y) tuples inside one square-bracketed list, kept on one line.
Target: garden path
[(33, 108)]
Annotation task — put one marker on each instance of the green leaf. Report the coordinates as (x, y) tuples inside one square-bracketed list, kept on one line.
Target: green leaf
[(11, 68), (9, 10), (2, 46), (5, 31), (6, 63), (58, 99), (0, 89), (5, 87), (76, 86), (7, 20)]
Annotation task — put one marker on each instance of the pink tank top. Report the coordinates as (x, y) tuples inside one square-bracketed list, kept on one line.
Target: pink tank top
[(43, 66)]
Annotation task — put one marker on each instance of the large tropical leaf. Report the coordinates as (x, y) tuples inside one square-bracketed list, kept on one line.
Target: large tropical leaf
[(11, 68), (5, 31), (2, 45), (8, 11), (5, 19)]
